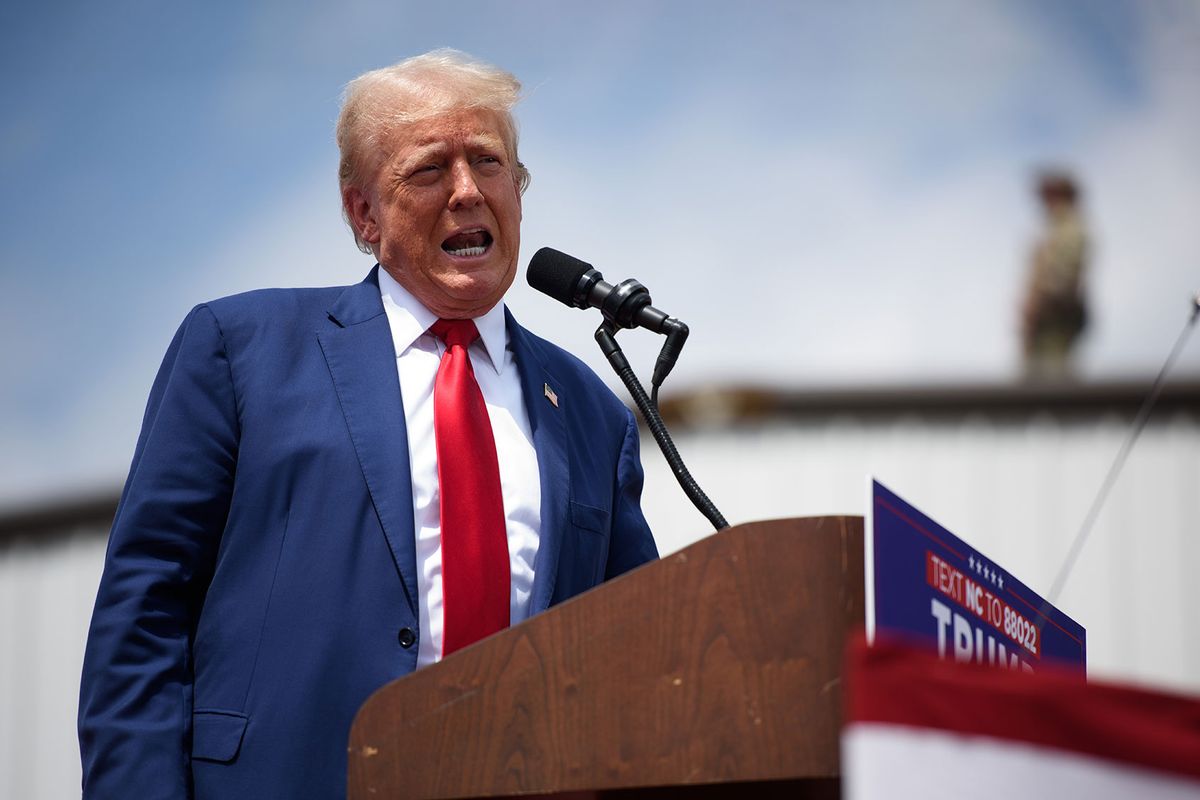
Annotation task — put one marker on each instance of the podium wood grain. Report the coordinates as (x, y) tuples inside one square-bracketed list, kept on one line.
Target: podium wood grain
[(718, 664)]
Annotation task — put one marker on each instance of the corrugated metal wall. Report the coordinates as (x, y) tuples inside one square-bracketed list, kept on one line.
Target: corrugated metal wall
[(1015, 488), (47, 588), (1018, 490)]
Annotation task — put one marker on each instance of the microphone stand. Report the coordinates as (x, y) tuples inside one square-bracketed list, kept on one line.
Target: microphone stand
[(606, 338)]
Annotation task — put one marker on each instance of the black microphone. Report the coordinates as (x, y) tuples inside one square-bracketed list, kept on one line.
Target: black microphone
[(627, 305), (578, 284)]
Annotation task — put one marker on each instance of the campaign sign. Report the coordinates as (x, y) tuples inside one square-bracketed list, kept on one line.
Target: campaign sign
[(923, 582)]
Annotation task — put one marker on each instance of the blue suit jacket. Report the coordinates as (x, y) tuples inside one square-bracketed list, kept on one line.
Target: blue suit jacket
[(261, 566)]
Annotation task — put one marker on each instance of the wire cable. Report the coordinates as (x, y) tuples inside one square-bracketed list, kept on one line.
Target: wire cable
[(1139, 423)]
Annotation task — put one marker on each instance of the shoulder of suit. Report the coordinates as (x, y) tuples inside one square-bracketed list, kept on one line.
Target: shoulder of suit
[(272, 315), (275, 300), (274, 308)]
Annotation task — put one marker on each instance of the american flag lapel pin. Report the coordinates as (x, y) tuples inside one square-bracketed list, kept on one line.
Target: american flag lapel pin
[(550, 395)]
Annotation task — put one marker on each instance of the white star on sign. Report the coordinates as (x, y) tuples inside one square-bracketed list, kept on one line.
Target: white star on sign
[(971, 562)]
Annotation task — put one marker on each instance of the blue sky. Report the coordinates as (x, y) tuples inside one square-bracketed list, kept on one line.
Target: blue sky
[(848, 180)]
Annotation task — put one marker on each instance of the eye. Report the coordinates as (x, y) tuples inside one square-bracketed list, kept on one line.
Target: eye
[(488, 163), (424, 173)]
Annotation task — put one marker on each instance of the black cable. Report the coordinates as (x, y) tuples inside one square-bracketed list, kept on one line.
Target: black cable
[(1139, 423), (605, 337)]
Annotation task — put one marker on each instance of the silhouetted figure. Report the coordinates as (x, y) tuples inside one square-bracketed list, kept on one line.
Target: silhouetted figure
[(1053, 313)]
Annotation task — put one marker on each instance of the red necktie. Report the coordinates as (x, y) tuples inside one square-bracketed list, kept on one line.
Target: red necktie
[(475, 573)]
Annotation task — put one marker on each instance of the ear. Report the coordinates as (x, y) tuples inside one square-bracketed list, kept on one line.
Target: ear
[(361, 214)]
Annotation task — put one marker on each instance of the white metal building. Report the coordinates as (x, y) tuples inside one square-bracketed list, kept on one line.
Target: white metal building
[(1011, 469)]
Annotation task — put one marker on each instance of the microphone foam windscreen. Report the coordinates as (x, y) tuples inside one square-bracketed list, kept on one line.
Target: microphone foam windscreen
[(556, 274)]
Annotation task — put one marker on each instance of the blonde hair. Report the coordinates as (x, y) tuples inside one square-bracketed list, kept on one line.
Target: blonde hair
[(417, 88)]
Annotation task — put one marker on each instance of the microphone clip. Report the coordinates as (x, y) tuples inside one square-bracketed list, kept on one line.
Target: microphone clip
[(625, 302)]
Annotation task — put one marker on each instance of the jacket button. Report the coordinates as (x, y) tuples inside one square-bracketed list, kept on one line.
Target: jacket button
[(407, 638)]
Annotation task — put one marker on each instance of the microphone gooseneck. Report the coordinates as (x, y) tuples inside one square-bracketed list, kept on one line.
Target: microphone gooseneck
[(606, 338), (577, 284)]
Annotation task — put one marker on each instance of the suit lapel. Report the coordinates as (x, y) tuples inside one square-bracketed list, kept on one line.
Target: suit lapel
[(358, 349), (547, 421)]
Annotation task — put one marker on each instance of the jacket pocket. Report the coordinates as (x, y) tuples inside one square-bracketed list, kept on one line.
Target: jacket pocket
[(594, 519), (217, 735)]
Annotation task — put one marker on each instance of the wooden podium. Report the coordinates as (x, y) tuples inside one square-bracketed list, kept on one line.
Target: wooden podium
[(713, 668)]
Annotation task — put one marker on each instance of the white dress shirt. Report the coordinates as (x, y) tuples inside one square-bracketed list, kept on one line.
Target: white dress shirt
[(418, 354)]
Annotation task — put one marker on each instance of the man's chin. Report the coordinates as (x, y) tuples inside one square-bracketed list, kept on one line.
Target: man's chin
[(475, 279), (461, 296)]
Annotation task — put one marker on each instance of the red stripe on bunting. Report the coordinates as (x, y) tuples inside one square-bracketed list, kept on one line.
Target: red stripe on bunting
[(898, 684)]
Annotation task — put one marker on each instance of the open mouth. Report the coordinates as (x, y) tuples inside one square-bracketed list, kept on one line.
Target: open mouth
[(468, 243)]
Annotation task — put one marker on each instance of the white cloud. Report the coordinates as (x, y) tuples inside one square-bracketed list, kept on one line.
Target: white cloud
[(829, 244), (840, 201)]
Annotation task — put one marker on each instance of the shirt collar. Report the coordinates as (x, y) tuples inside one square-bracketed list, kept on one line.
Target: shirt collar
[(409, 320)]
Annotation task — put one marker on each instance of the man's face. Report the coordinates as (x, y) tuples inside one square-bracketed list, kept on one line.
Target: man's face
[(443, 212)]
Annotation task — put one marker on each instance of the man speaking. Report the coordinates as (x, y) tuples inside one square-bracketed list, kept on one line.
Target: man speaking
[(334, 487)]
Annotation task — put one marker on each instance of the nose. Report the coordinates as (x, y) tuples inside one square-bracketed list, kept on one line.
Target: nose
[(464, 192)]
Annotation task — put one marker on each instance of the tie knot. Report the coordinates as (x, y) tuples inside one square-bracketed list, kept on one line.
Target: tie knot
[(455, 331)]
